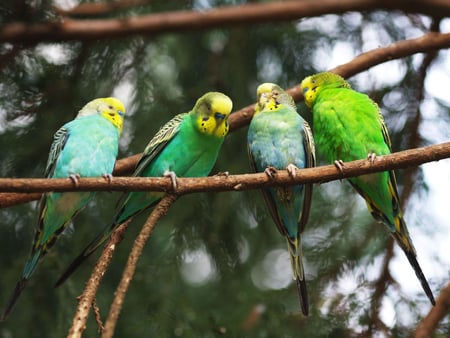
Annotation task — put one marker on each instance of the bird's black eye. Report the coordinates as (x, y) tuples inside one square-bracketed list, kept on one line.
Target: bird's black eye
[(111, 107), (205, 119)]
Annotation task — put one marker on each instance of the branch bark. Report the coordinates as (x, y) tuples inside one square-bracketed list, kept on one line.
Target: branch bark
[(428, 325), (322, 174), (158, 212), (180, 21), (87, 298)]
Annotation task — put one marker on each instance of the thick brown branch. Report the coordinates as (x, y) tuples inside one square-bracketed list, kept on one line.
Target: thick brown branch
[(87, 298), (160, 210), (402, 159), (200, 20), (429, 324), (99, 8)]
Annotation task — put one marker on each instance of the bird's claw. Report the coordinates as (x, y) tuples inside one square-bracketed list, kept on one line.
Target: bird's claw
[(271, 172), (173, 178), (75, 179), (223, 173), (108, 177), (371, 157), (339, 164), (292, 170)]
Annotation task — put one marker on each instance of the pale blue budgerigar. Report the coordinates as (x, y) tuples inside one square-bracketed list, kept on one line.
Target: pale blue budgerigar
[(279, 138), (84, 147)]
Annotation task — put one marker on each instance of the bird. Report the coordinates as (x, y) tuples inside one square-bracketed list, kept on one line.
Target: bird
[(186, 146), (84, 147), (279, 138), (348, 126)]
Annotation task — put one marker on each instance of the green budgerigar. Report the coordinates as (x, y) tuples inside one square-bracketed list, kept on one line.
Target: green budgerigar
[(348, 126), (279, 138), (84, 147), (186, 146)]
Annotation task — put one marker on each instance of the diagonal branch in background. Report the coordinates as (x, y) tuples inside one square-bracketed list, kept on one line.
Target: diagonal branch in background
[(428, 325), (399, 160), (87, 298), (158, 212), (181, 21)]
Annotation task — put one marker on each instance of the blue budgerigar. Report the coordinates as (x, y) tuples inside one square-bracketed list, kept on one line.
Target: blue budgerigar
[(84, 147), (279, 138)]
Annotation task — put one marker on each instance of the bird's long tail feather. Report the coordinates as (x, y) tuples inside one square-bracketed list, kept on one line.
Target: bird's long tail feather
[(404, 241), (13, 299), (295, 252), (88, 250)]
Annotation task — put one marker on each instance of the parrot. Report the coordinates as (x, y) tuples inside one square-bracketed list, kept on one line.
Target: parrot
[(279, 138), (84, 147), (348, 126), (186, 146)]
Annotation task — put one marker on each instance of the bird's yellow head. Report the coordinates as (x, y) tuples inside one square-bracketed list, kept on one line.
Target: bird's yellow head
[(211, 114), (270, 96), (110, 108), (312, 85)]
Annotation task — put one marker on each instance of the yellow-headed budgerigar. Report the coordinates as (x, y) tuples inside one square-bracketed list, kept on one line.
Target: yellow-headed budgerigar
[(186, 146), (279, 138), (84, 147), (348, 126)]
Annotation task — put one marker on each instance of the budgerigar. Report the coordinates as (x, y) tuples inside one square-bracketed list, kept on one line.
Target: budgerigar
[(279, 138), (84, 147), (187, 146), (348, 126)]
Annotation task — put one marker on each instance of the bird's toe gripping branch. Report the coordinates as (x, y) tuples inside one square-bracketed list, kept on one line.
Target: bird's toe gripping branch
[(292, 170), (371, 157), (173, 178), (108, 177), (339, 164), (75, 178), (271, 172)]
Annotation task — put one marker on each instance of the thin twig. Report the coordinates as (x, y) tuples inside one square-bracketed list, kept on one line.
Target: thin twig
[(87, 298), (159, 211)]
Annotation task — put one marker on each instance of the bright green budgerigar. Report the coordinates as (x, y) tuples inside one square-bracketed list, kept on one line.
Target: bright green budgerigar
[(187, 146), (279, 138), (348, 126), (84, 147)]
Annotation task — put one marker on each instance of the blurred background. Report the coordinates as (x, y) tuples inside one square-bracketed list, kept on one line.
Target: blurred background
[(216, 264)]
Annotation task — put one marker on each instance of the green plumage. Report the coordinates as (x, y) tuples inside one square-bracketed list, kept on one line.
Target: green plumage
[(187, 145), (348, 126)]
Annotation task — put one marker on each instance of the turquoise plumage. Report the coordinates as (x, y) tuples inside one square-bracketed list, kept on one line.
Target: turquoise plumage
[(84, 147), (279, 138), (187, 146)]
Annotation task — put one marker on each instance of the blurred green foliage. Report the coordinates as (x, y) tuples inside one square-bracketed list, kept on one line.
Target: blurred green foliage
[(210, 268)]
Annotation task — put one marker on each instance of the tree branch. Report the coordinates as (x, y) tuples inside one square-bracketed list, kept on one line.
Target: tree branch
[(200, 20), (99, 8), (322, 174), (86, 300), (158, 212), (429, 324)]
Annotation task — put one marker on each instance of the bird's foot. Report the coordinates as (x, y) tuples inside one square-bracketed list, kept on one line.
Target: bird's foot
[(292, 170), (108, 177), (75, 179), (173, 178), (339, 164), (371, 157), (223, 173), (271, 172)]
